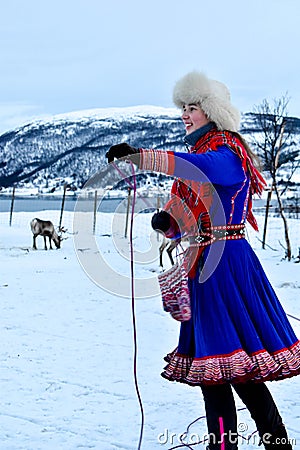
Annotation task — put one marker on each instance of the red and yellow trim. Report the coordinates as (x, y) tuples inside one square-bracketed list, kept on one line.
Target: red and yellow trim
[(157, 161), (235, 367)]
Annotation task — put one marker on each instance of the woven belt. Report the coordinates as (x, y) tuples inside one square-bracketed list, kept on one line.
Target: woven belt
[(219, 233)]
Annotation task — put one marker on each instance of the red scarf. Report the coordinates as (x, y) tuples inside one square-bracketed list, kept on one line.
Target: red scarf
[(190, 200)]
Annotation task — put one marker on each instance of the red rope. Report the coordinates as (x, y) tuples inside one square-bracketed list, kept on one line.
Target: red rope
[(133, 186), (293, 317), (133, 310)]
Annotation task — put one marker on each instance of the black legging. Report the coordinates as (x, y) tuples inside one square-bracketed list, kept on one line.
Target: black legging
[(219, 402)]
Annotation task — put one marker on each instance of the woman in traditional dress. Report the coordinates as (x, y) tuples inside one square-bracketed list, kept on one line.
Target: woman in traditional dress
[(238, 335)]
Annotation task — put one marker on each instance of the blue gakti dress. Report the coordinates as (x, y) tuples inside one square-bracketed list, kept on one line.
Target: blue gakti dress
[(238, 330)]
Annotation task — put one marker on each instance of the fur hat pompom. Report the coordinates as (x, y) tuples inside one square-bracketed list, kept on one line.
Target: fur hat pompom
[(212, 96)]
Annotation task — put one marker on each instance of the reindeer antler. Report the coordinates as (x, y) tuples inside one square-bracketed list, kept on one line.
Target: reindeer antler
[(62, 229)]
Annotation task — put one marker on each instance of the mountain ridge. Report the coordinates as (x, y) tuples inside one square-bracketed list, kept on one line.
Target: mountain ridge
[(71, 146)]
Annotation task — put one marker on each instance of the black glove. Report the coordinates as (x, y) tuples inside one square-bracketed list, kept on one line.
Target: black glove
[(161, 221), (122, 150)]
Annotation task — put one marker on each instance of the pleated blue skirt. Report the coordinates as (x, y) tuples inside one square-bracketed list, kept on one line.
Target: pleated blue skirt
[(238, 330)]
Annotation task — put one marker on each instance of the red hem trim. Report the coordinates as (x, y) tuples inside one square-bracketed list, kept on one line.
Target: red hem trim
[(285, 349), (226, 355), (258, 367)]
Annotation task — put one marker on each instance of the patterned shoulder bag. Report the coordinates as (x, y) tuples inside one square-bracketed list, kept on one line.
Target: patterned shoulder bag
[(174, 289)]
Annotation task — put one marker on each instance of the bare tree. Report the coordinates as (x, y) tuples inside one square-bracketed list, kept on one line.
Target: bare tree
[(277, 147)]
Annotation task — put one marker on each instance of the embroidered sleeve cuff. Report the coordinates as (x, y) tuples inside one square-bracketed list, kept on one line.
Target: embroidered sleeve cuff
[(157, 161)]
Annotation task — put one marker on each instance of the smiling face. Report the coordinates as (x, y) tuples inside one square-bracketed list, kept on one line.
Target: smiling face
[(193, 118)]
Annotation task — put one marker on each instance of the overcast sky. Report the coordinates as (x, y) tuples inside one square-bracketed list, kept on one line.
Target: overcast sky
[(69, 55)]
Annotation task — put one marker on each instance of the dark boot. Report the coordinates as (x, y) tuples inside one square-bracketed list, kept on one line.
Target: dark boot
[(219, 403), (277, 441), (264, 412)]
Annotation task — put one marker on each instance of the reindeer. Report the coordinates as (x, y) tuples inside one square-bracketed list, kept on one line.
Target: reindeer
[(161, 222), (169, 246), (45, 228)]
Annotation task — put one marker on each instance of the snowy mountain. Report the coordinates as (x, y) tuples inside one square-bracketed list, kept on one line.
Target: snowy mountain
[(71, 147)]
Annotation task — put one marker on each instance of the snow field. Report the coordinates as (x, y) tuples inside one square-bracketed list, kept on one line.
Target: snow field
[(67, 345)]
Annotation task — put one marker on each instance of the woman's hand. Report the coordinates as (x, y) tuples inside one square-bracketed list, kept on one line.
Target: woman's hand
[(122, 150), (161, 221)]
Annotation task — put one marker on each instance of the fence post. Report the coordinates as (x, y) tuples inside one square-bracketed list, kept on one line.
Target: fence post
[(12, 205), (266, 218), (158, 203), (95, 211), (127, 212), (157, 208), (62, 206)]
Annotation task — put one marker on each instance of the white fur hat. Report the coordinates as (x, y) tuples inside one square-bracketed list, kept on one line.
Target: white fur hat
[(212, 96)]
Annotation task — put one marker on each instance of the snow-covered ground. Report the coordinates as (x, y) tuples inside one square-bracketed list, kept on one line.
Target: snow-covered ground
[(67, 345)]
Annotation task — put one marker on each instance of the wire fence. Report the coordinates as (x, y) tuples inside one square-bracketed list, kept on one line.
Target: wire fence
[(17, 210), (11, 203)]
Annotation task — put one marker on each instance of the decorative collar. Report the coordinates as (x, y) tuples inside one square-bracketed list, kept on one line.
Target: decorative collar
[(192, 139)]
